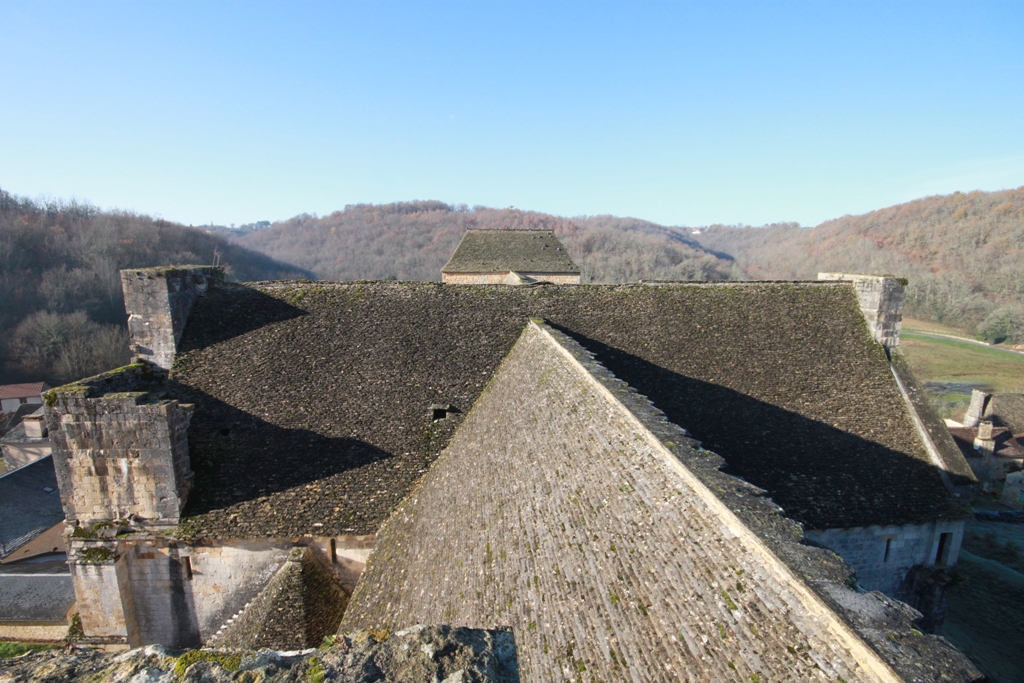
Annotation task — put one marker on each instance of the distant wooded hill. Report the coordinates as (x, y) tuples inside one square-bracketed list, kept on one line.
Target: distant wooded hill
[(64, 317), (413, 240), (61, 307), (963, 255)]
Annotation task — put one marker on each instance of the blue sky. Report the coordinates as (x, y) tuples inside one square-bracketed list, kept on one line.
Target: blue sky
[(680, 113)]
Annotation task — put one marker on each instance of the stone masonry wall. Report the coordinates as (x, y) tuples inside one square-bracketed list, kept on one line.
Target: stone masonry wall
[(496, 278), (120, 455), (913, 544), (158, 301), (107, 611), (183, 605), (881, 302), (555, 511)]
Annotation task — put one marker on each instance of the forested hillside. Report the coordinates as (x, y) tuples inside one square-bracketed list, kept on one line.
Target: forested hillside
[(413, 240), (963, 255), (62, 312)]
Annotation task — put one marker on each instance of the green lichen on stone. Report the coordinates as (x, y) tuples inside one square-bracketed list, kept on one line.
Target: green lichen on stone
[(228, 661), (75, 630), (100, 554)]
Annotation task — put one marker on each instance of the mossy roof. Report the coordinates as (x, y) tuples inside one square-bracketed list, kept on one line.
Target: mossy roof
[(313, 399), (499, 251)]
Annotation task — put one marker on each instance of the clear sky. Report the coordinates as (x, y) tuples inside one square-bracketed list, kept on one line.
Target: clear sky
[(680, 113)]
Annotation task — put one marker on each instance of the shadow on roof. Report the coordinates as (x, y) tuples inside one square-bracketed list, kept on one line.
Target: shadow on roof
[(260, 472), (815, 471), (238, 309)]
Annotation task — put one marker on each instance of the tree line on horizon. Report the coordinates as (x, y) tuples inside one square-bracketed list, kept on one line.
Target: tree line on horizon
[(962, 254), (63, 308)]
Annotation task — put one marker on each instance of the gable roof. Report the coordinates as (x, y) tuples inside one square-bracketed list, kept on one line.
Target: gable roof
[(313, 398), (27, 509), (522, 251), (577, 515), (1007, 410), (9, 421), (22, 390)]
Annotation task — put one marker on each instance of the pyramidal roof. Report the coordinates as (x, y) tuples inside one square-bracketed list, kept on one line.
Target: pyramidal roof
[(521, 251), (575, 513)]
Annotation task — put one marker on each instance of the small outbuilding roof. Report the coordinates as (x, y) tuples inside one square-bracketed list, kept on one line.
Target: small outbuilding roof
[(23, 390), (1007, 410), (522, 251), (29, 504)]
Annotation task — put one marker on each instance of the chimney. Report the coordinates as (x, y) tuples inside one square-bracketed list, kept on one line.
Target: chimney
[(979, 399), (983, 442), (35, 425), (881, 303), (158, 301)]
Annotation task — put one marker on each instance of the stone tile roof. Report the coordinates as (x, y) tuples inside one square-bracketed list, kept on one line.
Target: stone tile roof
[(1007, 410), (27, 508), (1006, 446), (22, 390), (313, 398), (35, 598), (576, 514), (524, 251)]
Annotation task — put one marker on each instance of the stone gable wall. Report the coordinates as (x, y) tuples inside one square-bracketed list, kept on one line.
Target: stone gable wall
[(909, 546), (120, 456), (158, 301), (881, 302)]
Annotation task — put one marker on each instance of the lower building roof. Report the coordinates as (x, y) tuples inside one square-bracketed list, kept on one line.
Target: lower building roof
[(314, 399), (29, 504)]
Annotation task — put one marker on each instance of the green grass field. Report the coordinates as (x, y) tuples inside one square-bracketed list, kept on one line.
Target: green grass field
[(950, 369), (13, 649)]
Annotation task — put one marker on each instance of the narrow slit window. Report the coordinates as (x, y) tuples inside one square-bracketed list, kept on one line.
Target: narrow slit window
[(942, 553), (888, 547), (334, 551), (186, 565)]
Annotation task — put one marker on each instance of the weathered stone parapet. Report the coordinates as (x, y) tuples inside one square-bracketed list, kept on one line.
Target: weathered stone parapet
[(119, 455), (881, 302), (158, 301)]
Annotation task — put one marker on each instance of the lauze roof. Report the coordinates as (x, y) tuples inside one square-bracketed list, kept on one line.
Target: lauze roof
[(313, 399), (523, 251), (573, 513), (29, 504)]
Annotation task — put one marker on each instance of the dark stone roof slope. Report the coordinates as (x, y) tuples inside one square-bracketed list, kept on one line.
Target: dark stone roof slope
[(313, 398), (27, 508), (524, 251), (42, 598)]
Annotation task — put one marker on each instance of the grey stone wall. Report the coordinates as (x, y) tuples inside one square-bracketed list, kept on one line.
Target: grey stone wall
[(122, 454), (910, 545), (158, 301), (881, 302)]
